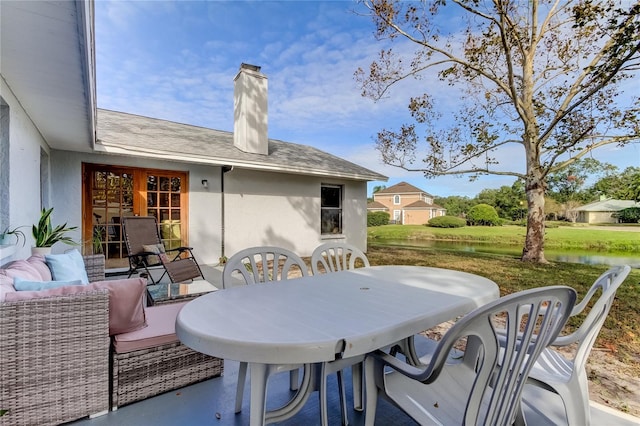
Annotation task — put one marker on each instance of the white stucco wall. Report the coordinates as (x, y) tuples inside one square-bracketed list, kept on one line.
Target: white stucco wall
[(284, 210), (204, 204), (25, 143)]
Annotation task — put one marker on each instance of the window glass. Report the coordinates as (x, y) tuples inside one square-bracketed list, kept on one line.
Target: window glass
[(331, 209), (396, 199)]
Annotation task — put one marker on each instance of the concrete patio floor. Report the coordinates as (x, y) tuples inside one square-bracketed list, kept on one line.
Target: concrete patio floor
[(212, 402)]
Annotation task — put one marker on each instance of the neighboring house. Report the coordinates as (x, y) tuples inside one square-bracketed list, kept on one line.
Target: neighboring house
[(602, 211), (406, 204), (216, 191)]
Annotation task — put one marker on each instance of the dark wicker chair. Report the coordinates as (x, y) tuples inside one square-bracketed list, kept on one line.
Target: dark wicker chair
[(146, 250)]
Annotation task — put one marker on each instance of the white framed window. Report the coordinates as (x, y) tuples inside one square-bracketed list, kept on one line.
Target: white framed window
[(397, 216), (396, 199), (330, 209)]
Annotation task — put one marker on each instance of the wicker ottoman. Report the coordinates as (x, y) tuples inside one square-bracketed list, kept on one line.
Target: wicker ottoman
[(151, 361), (148, 372)]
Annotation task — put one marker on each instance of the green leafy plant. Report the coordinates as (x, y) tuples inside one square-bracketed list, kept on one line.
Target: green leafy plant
[(47, 235), (377, 218), (15, 231), (97, 239), (628, 215)]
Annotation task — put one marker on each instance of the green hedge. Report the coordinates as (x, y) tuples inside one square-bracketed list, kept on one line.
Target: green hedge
[(483, 215), (447, 222), (377, 218)]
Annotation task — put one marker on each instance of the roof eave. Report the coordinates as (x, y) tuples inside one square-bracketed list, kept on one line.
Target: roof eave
[(221, 161)]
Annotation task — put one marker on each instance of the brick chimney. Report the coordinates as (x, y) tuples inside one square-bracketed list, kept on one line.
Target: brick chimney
[(250, 110)]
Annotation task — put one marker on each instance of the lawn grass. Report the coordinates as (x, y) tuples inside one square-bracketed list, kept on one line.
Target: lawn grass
[(621, 331), (584, 238)]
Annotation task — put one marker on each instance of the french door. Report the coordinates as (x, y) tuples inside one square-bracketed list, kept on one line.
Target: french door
[(113, 192)]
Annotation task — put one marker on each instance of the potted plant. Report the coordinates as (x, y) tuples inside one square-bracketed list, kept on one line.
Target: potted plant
[(46, 235), (4, 235)]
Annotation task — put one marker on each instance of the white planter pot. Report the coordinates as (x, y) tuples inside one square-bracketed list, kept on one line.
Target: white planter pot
[(40, 251)]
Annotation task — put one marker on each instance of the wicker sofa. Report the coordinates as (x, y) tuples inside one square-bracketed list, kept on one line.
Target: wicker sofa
[(56, 351)]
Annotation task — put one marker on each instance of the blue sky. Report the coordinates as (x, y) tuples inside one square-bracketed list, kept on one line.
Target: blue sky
[(177, 60)]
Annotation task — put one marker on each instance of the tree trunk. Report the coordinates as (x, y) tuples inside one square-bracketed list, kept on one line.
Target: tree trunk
[(534, 242)]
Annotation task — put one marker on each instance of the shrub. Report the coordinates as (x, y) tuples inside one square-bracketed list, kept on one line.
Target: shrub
[(377, 218), (482, 215), (629, 215), (447, 222)]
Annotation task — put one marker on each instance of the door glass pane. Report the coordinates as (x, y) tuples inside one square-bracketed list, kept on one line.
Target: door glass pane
[(107, 208), (164, 184), (152, 183), (175, 184)]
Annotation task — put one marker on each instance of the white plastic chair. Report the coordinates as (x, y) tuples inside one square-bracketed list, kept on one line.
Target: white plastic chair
[(567, 376), (262, 265), (485, 385), (332, 257)]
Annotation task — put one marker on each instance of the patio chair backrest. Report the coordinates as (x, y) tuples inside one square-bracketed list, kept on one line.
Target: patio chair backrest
[(531, 319), (262, 264), (139, 231), (333, 257), (586, 334)]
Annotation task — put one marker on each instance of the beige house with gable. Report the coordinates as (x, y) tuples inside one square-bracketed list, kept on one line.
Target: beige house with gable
[(602, 211), (406, 204)]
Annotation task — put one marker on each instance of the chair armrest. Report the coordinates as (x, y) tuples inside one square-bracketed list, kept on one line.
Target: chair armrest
[(180, 249), (94, 264)]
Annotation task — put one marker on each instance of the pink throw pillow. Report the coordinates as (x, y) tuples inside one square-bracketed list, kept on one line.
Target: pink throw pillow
[(38, 262), (127, 298), (23, 269)]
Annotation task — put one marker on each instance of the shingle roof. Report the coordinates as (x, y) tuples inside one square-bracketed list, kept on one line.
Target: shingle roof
[(608, 206), (136, 135), (420, 204), (375, 205), (402, 188)]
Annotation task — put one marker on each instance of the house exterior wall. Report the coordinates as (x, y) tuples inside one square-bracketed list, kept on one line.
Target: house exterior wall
[(596, 217), (416, 217), (205, 208), (284, 210), (387, 200), (261, 208), (25, 145)]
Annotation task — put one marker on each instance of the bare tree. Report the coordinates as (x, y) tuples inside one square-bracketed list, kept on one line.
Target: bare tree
[(544, 75), (570, 210)]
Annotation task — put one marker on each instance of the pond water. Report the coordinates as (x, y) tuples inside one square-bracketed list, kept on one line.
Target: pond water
[(571, 256)]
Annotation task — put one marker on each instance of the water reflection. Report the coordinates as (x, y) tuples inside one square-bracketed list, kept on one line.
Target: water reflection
[(570, 256)]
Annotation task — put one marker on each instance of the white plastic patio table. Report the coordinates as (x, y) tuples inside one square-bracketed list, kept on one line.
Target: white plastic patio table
[(325, 317)]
